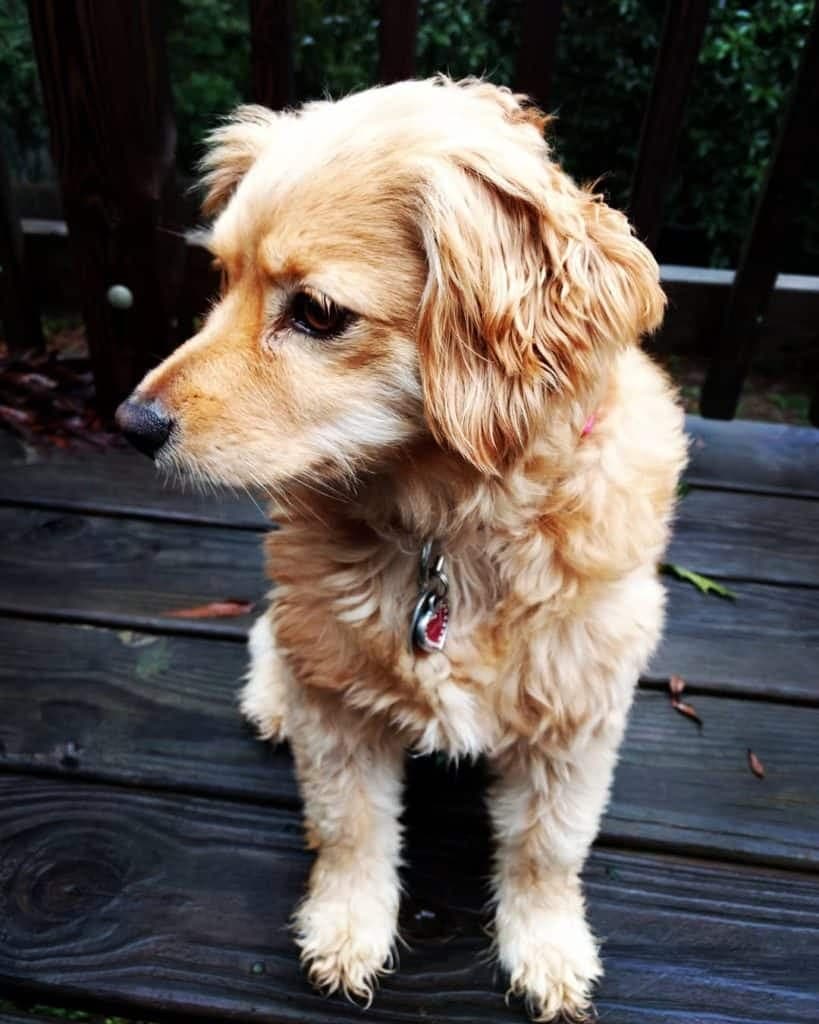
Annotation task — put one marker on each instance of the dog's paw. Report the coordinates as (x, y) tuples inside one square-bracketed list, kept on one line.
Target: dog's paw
[(552, 964), (262, 699), (346, 943)]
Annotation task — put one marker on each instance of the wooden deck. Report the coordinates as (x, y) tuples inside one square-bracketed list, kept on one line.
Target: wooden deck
[(151, 851)]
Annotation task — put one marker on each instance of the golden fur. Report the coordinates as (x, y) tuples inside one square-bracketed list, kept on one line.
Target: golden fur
[(497, 306)]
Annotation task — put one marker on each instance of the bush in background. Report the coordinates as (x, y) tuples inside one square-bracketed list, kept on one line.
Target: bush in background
[(605, 61)]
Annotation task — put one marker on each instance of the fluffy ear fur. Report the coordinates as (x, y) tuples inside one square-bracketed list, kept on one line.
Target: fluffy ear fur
[(533, 285), (233, 148)]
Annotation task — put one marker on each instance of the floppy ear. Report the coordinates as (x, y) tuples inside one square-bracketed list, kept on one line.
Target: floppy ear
[(233, 148), (533, 285)]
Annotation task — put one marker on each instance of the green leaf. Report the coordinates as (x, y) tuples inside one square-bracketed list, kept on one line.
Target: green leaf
[(702, 583)]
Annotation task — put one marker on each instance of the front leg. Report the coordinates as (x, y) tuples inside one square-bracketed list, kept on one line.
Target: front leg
[(264, 697), (545, 814), (350, 775)]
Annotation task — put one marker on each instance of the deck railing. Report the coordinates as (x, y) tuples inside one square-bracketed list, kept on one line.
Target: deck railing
[(107, 96)]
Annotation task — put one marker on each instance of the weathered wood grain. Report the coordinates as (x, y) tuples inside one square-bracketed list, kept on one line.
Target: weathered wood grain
[(146, 901), (748, 536), (132, 708), (739, 455), (121, 483), (128, 571), (160, 711), (764, 643), (8, 1017), (743, 455)]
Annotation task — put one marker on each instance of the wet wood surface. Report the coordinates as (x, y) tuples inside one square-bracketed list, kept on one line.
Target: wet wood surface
[(144, 899), (150, 847)]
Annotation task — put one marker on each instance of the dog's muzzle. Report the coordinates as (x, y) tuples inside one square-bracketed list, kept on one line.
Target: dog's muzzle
[(146, 424)]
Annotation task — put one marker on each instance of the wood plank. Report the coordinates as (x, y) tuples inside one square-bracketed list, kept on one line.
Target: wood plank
[(161, 712), (766, 643), (683, 30), (744, 455), (11, 1017), (132, 571), (778, 209), (105, 82), (127, 571), (142, 902), (122, 483), (740, 455), (748, 536), (133, 708)]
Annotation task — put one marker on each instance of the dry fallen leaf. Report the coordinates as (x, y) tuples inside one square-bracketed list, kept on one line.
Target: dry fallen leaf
[(756, 766), (687, 710), (676, 685), (213, 610)]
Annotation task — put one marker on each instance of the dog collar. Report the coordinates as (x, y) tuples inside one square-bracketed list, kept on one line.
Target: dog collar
[(430, 617)]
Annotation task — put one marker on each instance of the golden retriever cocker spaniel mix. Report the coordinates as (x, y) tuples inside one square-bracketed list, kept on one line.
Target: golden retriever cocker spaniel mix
[(426, 349)]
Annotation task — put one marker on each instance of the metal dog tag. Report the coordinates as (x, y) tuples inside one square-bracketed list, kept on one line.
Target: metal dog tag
[(430, 621), (430, 617)]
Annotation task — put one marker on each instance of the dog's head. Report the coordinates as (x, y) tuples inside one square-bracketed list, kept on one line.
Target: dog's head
[(405, 263)]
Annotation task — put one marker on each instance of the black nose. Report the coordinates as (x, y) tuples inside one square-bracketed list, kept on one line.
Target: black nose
[(145, 424)]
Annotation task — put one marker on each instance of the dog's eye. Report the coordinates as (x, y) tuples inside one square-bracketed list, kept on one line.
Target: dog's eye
[(317, 315)]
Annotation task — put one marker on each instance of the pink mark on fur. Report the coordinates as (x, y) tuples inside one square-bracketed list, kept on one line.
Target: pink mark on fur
[(588, 426)]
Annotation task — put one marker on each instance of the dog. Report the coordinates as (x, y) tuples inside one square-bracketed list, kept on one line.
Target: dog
[(426, 350)]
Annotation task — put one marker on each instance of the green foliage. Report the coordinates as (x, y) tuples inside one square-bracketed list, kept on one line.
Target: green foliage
[(604, 67), (704, 584), (209, 57), (23, 134)]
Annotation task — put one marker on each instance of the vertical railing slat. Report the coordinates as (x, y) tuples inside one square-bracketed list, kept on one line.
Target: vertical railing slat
[(540, 23), (680, 44), (113, 137), (397, 30), (19, 312), (271, 52), (794, 157)]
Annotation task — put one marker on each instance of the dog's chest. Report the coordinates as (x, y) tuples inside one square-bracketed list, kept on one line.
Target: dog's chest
[(441, 699)]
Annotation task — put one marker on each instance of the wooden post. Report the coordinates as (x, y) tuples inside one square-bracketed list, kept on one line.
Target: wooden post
[(762, 253), (271, 53), (683, 30), (538, 45), (397, 30), (108, 102), (18, 307)]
